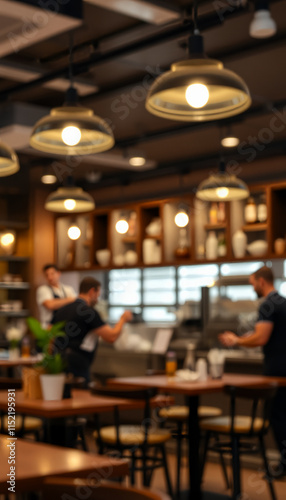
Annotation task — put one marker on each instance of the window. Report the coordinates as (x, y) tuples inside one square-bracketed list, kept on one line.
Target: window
[(157, 292)]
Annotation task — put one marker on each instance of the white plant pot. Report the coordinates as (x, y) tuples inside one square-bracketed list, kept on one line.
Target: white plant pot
[(53, 386)]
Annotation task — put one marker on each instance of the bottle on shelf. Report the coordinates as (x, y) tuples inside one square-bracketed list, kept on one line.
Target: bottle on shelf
[(213, 213), (221, 212), (262, 209), (211, 246), (183, 249), (250, 211), (221, 245)]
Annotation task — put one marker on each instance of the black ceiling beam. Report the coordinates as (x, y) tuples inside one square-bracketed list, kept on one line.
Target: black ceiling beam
[(205, 22), (210, 163), (165, 133)]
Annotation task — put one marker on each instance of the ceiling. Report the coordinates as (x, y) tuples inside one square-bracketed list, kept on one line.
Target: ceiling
[(115, 59)]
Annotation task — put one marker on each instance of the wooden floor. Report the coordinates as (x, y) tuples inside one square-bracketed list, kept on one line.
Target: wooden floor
[(254, 487)]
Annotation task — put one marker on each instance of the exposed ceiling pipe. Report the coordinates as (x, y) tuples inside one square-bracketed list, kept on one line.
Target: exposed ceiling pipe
[(205, 22)]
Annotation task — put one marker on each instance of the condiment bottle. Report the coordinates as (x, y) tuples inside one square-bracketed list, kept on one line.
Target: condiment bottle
[(171, 363), (190, 360), (262, 209), (26, 347), (250, 212)]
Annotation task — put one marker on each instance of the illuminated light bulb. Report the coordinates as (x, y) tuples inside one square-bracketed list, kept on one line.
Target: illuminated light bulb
[(137, 161), (71, 135), (222, 192), (48, 179), (230, 142), (211, 284), (181, 219), (197, 95), (69, 204), (122, 226), (74, 232), (7, 239)]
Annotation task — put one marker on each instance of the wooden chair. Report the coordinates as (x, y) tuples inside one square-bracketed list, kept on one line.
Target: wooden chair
[(177, 416), (240, 430), (59, 488), (136, 440)]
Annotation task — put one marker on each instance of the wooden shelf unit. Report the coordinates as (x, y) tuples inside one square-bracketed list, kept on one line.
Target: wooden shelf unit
[(105, 236)]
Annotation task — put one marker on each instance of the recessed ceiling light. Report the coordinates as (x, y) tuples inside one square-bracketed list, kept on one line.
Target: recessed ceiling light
[(48, 179)]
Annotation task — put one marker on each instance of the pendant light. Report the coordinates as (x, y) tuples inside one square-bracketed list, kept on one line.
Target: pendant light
[(69, 199), (198, 89), (122, 225), (71, 129), (262, 25), (9, 162), (229, 139), (222, 187)]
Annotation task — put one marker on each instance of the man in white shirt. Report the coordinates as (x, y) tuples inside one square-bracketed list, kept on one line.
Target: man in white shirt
[(52, 296)]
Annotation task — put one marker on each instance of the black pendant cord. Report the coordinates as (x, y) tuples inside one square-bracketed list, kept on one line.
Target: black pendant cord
[(71, 61)]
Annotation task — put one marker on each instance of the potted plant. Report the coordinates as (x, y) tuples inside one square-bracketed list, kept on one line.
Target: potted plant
[(53, 378)]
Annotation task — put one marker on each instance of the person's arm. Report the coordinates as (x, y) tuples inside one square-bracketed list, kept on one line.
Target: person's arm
[(54, 304), (259, 337), (110, 334)]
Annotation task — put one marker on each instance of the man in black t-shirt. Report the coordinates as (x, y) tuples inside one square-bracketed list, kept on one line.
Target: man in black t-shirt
[(270, 333), (83, 327)]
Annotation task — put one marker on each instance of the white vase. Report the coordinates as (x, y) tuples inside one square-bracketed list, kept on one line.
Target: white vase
[(53, 386), (239, 242), (211, 246)]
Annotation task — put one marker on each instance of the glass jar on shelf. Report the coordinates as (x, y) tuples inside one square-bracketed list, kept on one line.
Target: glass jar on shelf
[(262, 209), (250, 211)]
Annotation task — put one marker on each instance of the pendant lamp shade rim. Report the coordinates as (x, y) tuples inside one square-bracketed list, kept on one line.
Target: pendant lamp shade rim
[(56, 201), (9, 162), (228, 93), (232, 188), (95, 135)]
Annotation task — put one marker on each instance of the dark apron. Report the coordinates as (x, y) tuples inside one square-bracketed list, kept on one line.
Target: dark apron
[(57, 297)]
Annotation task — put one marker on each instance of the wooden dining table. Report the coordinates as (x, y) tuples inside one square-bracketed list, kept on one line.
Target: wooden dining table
[(193, 390), (81, 402), (34, 462)]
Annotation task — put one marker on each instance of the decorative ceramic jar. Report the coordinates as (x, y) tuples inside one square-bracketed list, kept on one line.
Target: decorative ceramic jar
[(239, 242), (262, 209), (211, 246), (279, 246), (257, 248)]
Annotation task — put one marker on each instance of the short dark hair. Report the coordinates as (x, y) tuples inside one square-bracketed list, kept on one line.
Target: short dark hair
[(50, 266), (266, 273), (88, 283)]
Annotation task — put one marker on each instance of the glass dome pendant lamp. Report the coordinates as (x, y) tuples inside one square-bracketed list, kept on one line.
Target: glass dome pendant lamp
[(72, 129), (69, 199), (198, 89), (9, 162), (222, 187)]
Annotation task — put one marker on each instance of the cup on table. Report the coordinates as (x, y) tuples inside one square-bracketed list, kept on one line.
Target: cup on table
[(171, 364), (216, 370)]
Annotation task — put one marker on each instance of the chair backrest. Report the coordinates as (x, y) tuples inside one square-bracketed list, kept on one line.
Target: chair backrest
[(137, 394), (66, 488), (257, 396)]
